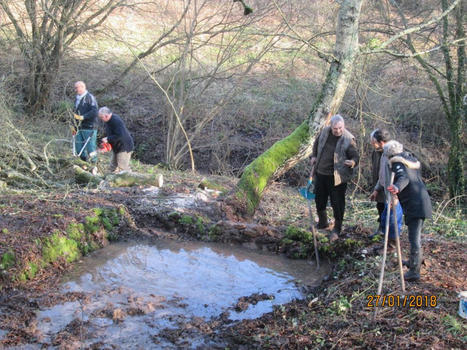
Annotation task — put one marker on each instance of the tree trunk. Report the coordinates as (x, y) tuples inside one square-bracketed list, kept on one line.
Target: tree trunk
[(456, 176), (287, 152)]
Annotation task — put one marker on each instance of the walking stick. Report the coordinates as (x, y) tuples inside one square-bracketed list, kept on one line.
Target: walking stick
[(398, 244), (386, 234), (313, 229)]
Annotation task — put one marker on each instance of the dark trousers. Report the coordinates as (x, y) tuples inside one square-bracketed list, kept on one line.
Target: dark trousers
[(380, 206), (324, 189), (414, 226)]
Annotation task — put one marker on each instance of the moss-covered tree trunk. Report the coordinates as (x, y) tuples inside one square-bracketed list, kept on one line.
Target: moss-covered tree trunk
[(287, 152)]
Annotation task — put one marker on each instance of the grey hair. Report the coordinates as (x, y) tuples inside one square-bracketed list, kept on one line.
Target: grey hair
[(105, 110), (372, 135), (336, 119), (392, 148), (80, 82)]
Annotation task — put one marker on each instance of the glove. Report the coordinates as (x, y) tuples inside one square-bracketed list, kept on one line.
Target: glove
[(78, 117), (393, 189)]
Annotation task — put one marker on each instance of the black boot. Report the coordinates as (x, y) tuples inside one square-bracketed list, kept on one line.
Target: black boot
[(323, 219), (415, 261), (336, 231)]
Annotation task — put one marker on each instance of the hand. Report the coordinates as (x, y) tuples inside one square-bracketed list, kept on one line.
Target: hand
[(78, 117), (312, 161), (393, 189), (104, 140), (350, 163), (373, 195)]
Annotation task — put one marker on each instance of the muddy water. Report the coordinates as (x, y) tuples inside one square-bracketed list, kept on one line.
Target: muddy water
[(136, 292)]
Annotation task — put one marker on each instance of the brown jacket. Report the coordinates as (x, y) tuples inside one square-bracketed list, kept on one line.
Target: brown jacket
[(345, 149)]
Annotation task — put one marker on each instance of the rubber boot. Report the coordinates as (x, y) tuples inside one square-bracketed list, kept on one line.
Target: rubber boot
[(415, 261), (323, 219), (406, 263), (336, 231)]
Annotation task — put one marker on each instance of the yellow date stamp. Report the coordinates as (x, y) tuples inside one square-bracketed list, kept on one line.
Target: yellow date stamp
[(409, 301)]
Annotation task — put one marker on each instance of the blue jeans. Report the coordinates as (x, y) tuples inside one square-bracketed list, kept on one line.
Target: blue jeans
[(392, 229), (88, 152)]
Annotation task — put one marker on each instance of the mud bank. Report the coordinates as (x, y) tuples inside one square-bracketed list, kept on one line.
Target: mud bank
[(334, 315)]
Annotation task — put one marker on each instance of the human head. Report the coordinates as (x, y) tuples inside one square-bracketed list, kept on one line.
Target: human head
[(80, 87), (337, 125), (379, 137), (105, 114), (391, 148)]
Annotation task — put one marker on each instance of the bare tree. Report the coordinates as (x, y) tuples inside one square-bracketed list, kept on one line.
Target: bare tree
[(287, 152), (44, 30), (209, 43), (436, 42)]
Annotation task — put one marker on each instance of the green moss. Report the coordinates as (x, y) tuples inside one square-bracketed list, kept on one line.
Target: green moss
[(205, 183), (175, 215), (57, 246), (121, 211), (8, 260), (112, 215), (106, 223), (200, 225), (92, 224), (98, 211), (5, 231), (214, 233), (30, 271), (287, 241), (186, 220), (75, 231), (297, 234), (22, 277), (259, 173)]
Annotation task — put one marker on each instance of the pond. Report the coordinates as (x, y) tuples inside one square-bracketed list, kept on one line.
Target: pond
[(137, 293)]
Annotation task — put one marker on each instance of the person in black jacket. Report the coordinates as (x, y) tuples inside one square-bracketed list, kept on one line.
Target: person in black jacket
[(85, 111), (414, 198), (119, 138)]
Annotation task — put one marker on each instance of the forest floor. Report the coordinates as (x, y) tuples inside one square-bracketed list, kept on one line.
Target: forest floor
[(339, 314)]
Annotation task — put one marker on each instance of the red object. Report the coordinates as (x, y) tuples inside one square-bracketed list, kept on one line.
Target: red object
[(105, 147), (393, 189)]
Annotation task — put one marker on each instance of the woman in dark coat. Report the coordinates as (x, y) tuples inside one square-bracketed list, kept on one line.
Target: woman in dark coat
[(414, 198)]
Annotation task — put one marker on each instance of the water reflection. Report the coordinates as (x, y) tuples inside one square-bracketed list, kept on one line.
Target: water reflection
[(136, 290)]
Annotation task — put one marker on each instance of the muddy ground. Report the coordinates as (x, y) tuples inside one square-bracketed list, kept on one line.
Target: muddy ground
[(336, 315)]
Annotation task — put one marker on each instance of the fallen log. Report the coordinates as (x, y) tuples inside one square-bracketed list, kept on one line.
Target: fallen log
[(128, 179), (123, 179), (85, 177)]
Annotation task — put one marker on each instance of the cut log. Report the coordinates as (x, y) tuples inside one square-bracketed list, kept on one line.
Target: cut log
[(85, 177), (128, 179)]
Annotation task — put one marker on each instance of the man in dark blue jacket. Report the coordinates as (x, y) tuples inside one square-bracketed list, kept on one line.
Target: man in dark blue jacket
[(119, 138), (414, 199), (85, 111)]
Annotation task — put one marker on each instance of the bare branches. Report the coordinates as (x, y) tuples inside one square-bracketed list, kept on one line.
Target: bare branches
[(419, 27), (45, 30)]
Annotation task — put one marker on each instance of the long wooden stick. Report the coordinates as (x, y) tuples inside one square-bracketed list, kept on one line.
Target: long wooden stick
[(313, 229), (398, 244), (386, 234)]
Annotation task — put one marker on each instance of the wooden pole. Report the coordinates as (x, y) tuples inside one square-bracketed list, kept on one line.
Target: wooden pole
[(386, 234), (313, 229)]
